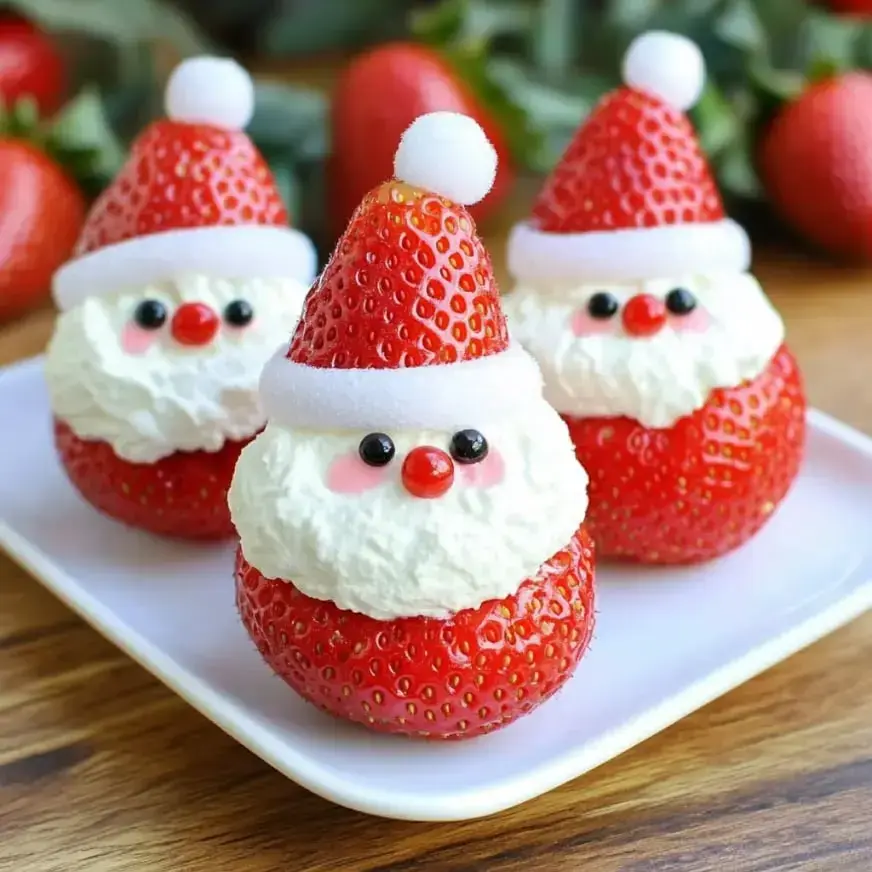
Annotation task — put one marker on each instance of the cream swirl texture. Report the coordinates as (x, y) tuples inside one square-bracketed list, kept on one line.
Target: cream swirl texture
[(384, 553), (149, 396), (595, 369)]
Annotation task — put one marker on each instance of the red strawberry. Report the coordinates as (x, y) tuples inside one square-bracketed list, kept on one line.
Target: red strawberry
[(173, 166), (440, 679), (705, 485), (816, 163), (380, 94), (402, 240), (851, 7), (183, 495), (30, 66), (41, 214), (658, 176)]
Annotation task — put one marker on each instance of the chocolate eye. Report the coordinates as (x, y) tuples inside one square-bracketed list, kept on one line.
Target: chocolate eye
[(150, 314), (603, 305), (468, 446), (680, 301), (238, 313), (376, 449)]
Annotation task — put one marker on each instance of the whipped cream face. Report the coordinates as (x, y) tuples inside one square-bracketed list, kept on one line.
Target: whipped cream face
[(149, 395), (593, 367), (309, 510)]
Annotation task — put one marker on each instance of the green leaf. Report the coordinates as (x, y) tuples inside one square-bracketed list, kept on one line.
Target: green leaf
[(291, 118), (524, 142), (553, 44), (717, 121), (737, 175), (82, 127), (439, 24), (471, 22), (324, 25), (550, 113), (120, 21), (21, 121), (833, 43), (286, 182), (740, 26), (783, 22)]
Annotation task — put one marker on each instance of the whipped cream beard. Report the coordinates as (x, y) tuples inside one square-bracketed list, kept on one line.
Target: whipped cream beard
[(723, 332), (140, 370), (310, 511)]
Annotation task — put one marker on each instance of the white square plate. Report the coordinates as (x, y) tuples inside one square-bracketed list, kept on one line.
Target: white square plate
[(140, 592)]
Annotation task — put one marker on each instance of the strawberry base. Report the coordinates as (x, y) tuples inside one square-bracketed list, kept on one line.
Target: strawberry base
[(182, 496), (438, 679), (702, 487)]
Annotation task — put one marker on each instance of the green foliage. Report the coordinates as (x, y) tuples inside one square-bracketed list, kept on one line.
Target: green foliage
[(759, 53), (538, 65), (79, 139)]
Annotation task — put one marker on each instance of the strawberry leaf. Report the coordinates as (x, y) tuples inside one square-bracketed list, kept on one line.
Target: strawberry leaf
[(462, 31), (82, 141), (471, 66), (117, 21)]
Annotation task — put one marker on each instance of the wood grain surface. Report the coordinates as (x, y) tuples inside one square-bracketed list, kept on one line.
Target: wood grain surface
[(102, 768)]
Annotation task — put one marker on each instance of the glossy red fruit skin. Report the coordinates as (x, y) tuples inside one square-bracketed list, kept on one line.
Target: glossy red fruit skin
[(815, 161), (219, 170), (424, 677), (659, 176), (378, 96), (181, 496), (41, 215), (30, 66), (702, 487), (402, 241)]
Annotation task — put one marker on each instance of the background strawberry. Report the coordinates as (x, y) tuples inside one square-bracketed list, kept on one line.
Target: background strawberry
[(183, 495), (30, 66), (702, 487), (816, 163), (378, 96), (457, 678), (41, 213), (851, 7)]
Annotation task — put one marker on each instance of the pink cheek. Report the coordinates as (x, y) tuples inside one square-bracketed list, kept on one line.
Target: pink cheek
[(696, 322), (348, 474), (135, 340), (583, 325), (488, 473)]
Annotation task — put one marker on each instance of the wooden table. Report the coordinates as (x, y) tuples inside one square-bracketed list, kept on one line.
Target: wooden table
[(102, 768)]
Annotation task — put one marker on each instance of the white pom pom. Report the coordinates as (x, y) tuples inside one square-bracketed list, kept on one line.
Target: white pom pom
[(666, 65), (448, 154), (207, 90)]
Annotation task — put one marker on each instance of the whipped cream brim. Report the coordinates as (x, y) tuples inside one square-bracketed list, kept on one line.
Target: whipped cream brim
[(233, 252), (628, 255), (448, 396)]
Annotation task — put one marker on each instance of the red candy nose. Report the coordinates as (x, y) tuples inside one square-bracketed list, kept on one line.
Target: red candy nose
[(427, 472), (194, 324), (643, 315)]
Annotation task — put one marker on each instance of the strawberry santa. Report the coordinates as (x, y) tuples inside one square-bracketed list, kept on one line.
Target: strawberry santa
[(186, 278), (656, 344), (412, 556)]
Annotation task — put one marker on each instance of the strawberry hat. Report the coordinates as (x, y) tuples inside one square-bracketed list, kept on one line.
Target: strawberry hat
[(194, 195), (404, 327), (633, 196)]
